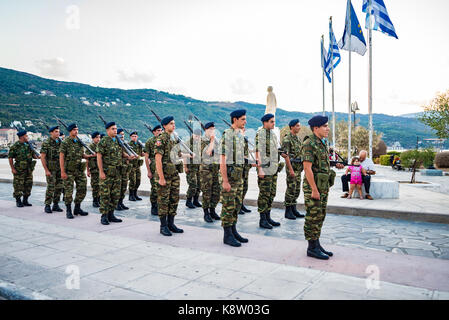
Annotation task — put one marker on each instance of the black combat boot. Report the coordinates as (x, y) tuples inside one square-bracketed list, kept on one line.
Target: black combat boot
[(237, 236), (79, 211), (272, 222), (263, 223), (171, 225), (113, 218), (136, 196), (96, 203), (131, 196), (189, 203), (196, 203), (297, 213), (164, 228), (19, 203), (241, 211), (68, 211), (207, 217), (314, 251), (118, 207), (56, 207), (48, 209), (213, 214), (245, 209), (104, 219), (329, 253), (154, 210), (289, 213), (25, 202), (122, 205), (229, 238)]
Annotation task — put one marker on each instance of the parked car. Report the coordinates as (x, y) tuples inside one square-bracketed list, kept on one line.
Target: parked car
[(4, 153)]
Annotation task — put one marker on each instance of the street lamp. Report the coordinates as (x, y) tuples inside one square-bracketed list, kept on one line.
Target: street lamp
[(354, 109)]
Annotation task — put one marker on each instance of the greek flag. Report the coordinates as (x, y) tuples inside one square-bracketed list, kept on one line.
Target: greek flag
[(381, 21), (333, 53), (353, 30), (324, 61)]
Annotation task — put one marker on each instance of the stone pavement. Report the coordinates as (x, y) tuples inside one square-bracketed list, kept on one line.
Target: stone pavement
[(42, 255)]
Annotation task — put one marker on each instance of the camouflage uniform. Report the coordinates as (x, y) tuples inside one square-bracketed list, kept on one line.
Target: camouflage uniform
[(110, 187), (193, 174), (74, 168), (149, 148), (232, 145), (24, 164), (54, 182), (292, 145), (266, 145), (209, 175), (315, 151), (246, 169), (94, 173), (168, 195), (135, 173), (125, 169)]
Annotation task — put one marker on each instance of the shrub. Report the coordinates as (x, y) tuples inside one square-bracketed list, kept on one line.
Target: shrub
[(385, 160), (395, 153), (380, 149), (442, 160), (376, 160), (414, 159)]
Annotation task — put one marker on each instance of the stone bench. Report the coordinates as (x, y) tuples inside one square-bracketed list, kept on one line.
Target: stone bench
[(432, 172), (381, 189)]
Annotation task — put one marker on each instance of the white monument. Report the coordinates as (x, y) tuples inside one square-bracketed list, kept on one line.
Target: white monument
[(271, 108)]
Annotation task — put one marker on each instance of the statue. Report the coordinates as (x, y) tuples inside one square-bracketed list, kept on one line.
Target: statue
[(271, 102)]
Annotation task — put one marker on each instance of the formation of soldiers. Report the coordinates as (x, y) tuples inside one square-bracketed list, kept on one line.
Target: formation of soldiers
[(217, 169)]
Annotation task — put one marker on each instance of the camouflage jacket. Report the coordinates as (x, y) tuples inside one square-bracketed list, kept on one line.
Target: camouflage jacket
[(21, 153), (292, 145), (205, 158), (266, 145), (51, 149), (149, 148), (73, 153), (195, 146), (93, 166), (247, 157), (232, 145), (137, 149), (167, 147), (111, 152), (315, 151)]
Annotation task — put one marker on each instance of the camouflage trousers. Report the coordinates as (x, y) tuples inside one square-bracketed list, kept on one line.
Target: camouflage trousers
[(95, 183), (110, 191), (154, 184), (293, 188), (315, 214), (210, 185), (134, 178), (231, 202), (22, 183), (193, 180), (79, 178), (124, 176), (168, 195), (267, 192), (245, 181), (54, 187)]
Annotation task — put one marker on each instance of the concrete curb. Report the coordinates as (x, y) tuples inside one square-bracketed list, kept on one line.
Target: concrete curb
[(349, 211), (10, 291)]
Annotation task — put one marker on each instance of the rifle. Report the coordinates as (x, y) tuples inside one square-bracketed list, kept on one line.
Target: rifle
[(202, 125), (188, 127), (33, 149), (175, 135), (81, 142), (121, 143), (46, 126), (246, 140), (140, 143)]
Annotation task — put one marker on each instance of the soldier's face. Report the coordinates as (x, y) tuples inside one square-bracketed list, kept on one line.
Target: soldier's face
[(23, 138), (210, 131), (157, 132), (323, 131), (296, 128), (240, 122), (112, 131), (134, 137), (269, 124), (55, 134), (96, 139), (170, 127), (74, 132)]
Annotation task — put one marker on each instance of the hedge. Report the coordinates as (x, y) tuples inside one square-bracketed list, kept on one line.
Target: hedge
[(385, 160)]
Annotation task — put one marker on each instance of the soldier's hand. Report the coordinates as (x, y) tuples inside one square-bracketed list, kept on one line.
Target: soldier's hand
[(261, 174), (186, 169), (64, 176), (150, 175), (162, 181), (292, 173), (226, 186), (48, 173), (14, 171), (315, 195), (88, 173), (102, 176), (284, 155)]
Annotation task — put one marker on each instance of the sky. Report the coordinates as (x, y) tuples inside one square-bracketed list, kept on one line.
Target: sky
[(230, 50)]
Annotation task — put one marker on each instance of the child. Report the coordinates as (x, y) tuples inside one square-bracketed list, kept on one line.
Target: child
[(356, 177)]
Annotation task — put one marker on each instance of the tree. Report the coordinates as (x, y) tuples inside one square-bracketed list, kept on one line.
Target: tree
[(414, 159), (436, 115)]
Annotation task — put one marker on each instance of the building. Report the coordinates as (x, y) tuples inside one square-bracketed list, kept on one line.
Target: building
[(34, 136), (9, 135)]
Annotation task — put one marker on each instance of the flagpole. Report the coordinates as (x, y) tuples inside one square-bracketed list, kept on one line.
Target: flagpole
[(333, 105), (349, 90), (370, 81), (323, 66)]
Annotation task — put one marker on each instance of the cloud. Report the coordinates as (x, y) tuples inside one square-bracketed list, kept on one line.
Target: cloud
[(135, 77), (242, 87), (55, 67)]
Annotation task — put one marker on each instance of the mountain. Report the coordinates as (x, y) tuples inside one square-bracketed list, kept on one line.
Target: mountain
[(24, 96), (412, 115)]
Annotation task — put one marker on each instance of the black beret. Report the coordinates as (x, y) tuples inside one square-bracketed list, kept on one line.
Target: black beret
[(120, 130), (167, 120), (102, 135), (238, 113), (197, 132), (53, 128), (95, 134), (21, 133), (209, 124), (293, 123), (132, 133), (156, 127), (109, 124), (267, 117), (318, 121), (71, 127)]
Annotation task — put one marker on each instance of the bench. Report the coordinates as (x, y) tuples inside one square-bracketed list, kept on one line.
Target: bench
[(432, 172), (381, 189)]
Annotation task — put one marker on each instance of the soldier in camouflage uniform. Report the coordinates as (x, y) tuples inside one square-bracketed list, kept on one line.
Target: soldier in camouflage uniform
[(92, 170), (150, 162), (267, 156), (109, 161), (318, 179), (125, 169), (209, 173), (246, 170), (231, 168), (135, 173), (292, 146), (50, 162), (192, 169), (22, 168), (168, 168), (71, 154)]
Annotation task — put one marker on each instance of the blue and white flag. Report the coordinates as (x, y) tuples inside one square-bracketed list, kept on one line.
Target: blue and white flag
[(354, 32), (333, 55), (380, 20), (324, 61)]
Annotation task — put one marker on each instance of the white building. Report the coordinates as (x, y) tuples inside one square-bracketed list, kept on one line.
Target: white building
[(9, 135)]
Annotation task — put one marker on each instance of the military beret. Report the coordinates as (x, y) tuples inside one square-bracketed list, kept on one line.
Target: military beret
[(109, 124), (61, 133), (293, 123), (267, 117), (197, 132), (318, 121), (21, 133), (120, 130), (53, 128), (133, 133), (157, 127), (102, 135), (238, 113), (167, 120), (95, 134), (71, 127), (209, 124)]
